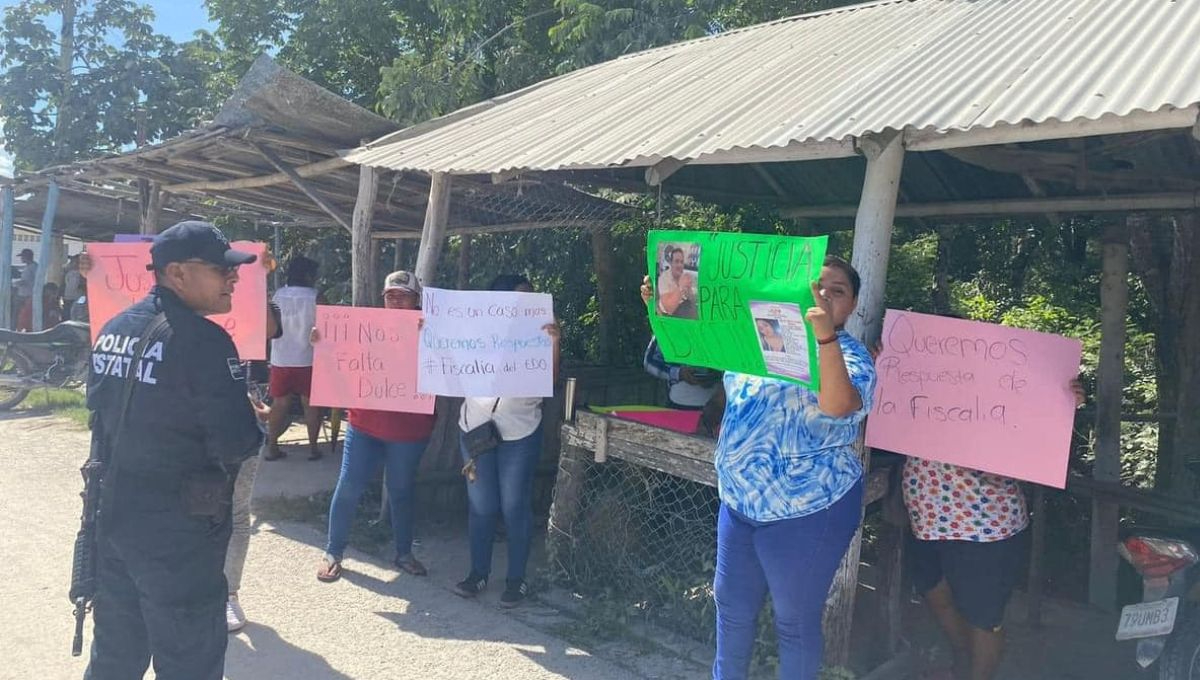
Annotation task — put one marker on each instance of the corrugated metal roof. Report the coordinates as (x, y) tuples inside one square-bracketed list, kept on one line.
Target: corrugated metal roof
[(914, 65)]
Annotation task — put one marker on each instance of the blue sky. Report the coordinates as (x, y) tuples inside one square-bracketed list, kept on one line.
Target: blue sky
[(178, 19)]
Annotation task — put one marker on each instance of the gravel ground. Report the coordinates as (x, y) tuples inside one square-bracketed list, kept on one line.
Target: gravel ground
[(374, 623)]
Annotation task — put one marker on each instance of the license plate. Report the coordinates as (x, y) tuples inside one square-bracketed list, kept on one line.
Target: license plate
[(1148, 619)]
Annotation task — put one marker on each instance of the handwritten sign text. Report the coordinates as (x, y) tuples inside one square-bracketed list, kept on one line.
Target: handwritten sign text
[(486, 344), (367, 358), (980, 395)]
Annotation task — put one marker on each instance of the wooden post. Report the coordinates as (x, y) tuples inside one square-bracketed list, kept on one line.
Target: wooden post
[(565, 508), (872, 242), (433, 234), (1037, 555), (362, 288), (602, 259), (150, 206), (6, 256), (1110, 374), (45, 250)]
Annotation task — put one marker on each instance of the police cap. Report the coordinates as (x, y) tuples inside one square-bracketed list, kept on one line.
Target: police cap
[(195, 240)]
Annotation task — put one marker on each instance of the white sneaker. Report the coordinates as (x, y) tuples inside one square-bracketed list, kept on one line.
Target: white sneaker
[(235, 618)]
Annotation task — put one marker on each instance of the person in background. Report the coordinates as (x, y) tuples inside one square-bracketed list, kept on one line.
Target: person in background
[(688, 388), (791, 488), (73, 287), (394, 439), (51, 310), (968, 549), (22, 286), (503, 483), (257, 373), (291, 355)]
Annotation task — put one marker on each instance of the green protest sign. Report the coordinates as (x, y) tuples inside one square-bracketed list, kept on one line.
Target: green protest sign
[(736, 302)]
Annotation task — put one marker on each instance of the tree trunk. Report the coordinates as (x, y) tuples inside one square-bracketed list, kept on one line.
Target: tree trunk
[(602, 260), (66, 57), (1166, 255)]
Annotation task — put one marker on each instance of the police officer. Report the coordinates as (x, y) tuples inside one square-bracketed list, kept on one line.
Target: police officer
[(172, 458)]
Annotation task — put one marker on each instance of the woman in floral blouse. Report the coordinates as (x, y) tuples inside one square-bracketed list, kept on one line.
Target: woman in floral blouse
[(791, 489), (969, 551)]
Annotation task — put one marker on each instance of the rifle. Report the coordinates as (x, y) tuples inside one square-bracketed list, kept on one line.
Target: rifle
[(96, 479), (83, 564)]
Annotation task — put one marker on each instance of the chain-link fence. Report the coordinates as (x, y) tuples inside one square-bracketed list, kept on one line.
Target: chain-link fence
[(641, 543)]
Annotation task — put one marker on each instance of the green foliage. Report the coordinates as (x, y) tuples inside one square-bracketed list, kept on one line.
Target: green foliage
[(125, 80), (340, 45)]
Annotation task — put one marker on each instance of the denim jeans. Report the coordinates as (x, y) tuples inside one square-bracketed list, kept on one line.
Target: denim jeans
[(793, 559), (362, 455), (503, 484)]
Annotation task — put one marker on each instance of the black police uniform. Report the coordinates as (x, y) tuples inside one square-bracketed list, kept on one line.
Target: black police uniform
[(165, 522)]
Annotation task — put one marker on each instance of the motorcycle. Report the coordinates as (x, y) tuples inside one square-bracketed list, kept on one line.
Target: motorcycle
[(57, 357), (1166, 624)]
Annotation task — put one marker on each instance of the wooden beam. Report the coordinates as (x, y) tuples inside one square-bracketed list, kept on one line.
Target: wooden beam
[(311, 170), (433, 233), (302, 185), (766, 176), (1182, 200), (872, 243), (362, 286), (1110, 379), (659, 172), (499, 228), (1036, 189)]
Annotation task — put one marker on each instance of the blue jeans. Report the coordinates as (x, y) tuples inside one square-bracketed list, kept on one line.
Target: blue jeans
[(361, 456), (793, 559), (503, 484)]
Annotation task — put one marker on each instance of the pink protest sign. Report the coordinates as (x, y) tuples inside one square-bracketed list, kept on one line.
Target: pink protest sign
[(979, 395), (367, 358), (118, 279)]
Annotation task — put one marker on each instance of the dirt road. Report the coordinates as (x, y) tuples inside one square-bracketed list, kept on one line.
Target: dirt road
[(372, 624)]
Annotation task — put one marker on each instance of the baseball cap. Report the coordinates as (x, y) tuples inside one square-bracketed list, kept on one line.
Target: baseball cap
[(195, 240), (402, 280)]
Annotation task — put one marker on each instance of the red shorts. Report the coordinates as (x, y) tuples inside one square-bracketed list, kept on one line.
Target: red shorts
[(287, 380)]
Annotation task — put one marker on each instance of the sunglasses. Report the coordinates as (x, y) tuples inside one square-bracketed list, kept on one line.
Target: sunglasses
[(223, 269)]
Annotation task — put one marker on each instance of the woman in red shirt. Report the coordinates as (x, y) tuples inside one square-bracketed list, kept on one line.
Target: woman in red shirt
[(395, 440)]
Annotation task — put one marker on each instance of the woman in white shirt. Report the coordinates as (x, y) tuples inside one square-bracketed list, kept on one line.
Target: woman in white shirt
[(503, 481)]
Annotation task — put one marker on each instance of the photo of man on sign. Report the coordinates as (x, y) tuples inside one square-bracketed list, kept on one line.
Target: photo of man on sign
[(677, 282)]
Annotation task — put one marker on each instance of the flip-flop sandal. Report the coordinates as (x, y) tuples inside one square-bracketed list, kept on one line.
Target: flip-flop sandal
[(331, 572), (275, 455)]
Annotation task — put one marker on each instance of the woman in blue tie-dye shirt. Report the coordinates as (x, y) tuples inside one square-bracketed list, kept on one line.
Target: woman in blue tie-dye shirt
[(791, 489)]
